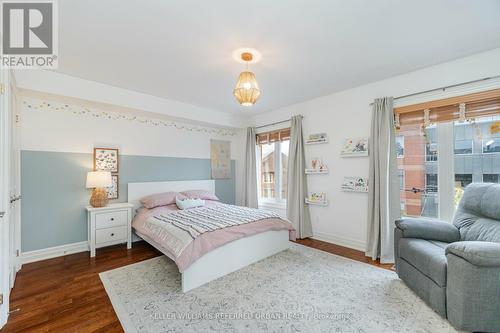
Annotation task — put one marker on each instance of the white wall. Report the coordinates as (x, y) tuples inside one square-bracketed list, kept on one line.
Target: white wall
[(65, 85), (50, 130), (347, 114), (46, 129)]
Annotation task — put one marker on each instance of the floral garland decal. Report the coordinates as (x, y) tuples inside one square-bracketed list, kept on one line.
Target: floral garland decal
[(39, 105)]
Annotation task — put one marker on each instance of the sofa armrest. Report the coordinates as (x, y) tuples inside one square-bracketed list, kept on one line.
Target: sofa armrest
[(428, 229), (485, 254)]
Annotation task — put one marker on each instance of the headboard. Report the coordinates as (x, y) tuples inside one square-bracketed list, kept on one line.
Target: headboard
[(136, 191)]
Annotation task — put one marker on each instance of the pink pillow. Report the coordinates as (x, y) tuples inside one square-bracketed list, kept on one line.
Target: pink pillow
[(200, 194), (160, 199)]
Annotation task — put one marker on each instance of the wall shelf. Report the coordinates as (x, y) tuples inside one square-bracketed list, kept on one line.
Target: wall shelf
[(355, 191), (314, 142), (316, 171), (317, 203)]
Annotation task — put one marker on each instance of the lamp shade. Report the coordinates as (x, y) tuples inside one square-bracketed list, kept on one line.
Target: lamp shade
[(98, 179), (247, 89)]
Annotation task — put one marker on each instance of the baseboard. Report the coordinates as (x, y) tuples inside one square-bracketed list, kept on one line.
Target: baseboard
[(342, 241), (53, 252)]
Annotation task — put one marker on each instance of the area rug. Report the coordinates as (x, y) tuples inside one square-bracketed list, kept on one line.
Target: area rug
[(298, 290)]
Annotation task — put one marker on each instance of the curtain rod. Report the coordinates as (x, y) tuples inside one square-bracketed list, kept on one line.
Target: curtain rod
[(446, 87), (276, 123)]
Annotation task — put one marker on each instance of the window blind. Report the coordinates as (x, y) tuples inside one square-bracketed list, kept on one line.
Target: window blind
[(470, 106), (273, 136)]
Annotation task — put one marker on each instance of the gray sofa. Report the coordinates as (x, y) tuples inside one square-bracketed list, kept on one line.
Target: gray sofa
[(455, 268)]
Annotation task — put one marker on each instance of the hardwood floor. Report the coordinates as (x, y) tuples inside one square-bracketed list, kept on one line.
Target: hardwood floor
[(65, 294), (342, 251)]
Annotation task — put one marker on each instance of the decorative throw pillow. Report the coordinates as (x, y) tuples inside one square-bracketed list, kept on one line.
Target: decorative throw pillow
[(188, 203), (200, 194), (161, 199)]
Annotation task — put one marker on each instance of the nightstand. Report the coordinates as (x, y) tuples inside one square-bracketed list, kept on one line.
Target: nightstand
[(109, 225)]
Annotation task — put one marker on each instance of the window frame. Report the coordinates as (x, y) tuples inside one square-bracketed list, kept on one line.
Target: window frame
[(278, 201), (478, 101)]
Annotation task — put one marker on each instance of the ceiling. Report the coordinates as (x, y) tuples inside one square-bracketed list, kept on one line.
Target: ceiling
[(182, 49)]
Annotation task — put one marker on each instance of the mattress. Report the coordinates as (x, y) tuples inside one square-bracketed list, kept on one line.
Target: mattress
[(154, 226)]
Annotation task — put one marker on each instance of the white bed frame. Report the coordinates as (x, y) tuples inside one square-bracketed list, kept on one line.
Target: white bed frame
[(222, 260)]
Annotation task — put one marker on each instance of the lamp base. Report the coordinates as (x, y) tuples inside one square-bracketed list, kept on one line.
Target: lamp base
[(99, 198)]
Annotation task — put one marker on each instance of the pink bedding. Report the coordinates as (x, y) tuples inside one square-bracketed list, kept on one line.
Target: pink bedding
[(207, 241)]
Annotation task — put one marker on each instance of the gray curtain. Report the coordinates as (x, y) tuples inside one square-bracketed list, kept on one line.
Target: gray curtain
[(383, 195), (250, 197), (297, 211)]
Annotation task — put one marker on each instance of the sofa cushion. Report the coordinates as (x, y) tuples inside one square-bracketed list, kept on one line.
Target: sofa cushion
[(478, 215), (424, 287), (483, 229), (484, 254), (423, 228), (482, 199), (426, 256)]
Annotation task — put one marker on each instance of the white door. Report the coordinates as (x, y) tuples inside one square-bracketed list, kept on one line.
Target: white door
[(5, 151), (15, 189)]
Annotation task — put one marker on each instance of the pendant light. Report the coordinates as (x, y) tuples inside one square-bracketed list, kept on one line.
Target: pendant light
[(247, 89)]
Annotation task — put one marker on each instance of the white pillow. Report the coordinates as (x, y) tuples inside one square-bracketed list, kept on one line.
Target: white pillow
[(189, 203)]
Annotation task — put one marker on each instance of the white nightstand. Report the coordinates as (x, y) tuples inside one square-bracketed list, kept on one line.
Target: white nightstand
[(109, 225)]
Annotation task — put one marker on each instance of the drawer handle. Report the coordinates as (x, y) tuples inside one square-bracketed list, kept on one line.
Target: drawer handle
[(112, 234), (112, 219)]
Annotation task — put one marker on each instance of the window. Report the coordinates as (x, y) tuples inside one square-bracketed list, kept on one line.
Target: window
[(431, 183), (464, 138), (417, 171), (401, 175), (267, 171), (268, 177), (441, 160), (476, 168), (462, 180), (284, 146), (272, 149), (463, 147), (488, 178), (400, 146), (431, 152), (491, 145)]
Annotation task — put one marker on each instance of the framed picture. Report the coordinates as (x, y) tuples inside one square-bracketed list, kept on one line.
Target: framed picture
[(113, 189), (106, 159), (355, 147), (355, 184), (220, 159)]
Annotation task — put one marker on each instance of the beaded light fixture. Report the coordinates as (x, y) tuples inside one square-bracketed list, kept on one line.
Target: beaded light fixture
[(247, 90)]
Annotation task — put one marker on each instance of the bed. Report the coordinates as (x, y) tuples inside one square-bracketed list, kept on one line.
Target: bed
[(221, 260)]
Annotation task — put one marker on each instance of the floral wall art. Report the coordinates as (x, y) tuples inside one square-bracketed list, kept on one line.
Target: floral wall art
[(220, 157), (354, 147), (106, 159), (355, 184), (113, 189)]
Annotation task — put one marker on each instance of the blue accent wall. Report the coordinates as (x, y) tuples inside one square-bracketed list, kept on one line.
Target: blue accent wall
[(54, 195)]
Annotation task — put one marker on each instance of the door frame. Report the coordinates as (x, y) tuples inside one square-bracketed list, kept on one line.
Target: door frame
[(5, 151), (15, 182)]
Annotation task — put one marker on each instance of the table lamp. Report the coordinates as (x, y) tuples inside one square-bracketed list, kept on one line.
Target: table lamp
[(98, 180)]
